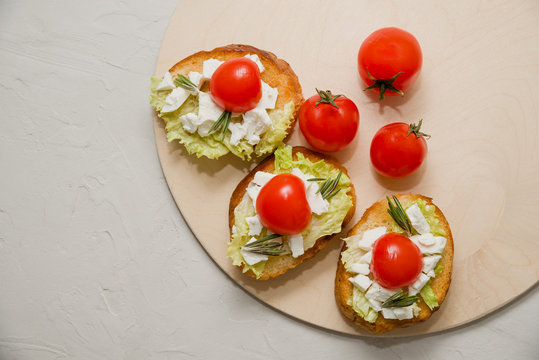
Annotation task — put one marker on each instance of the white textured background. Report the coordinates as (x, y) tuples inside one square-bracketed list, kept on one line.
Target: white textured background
[(96, 261)]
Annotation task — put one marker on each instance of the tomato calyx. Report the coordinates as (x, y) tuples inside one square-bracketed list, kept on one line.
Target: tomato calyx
[(326, 97), (415, 130), (384, 84)]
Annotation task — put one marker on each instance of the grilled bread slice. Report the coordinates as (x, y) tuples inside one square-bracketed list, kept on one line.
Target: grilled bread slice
[(277, 74), (377, 216), (278, 265)]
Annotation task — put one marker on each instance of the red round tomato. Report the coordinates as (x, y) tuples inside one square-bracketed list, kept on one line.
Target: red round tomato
[(328, 122), (398, 149), (389, 61), (235, 85), (396, 261), (282, 205)]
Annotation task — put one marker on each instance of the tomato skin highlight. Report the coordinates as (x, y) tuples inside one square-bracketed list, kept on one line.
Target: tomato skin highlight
[(326, 127), (396, 154), (385, 53), (282, 205), (235, 85), (396, 261)]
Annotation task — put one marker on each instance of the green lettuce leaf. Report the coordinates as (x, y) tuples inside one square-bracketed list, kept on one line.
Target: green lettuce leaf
[(321, 225), (361, 306), (429, 297), (213, 146)]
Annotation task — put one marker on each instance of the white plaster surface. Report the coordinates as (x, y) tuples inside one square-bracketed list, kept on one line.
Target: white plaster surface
[(96, 261)]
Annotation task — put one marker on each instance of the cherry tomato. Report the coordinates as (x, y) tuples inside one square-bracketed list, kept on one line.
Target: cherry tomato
[(389, 61), (235, 85), (396, 261), (329, 123), (282, 205), (398, 149)]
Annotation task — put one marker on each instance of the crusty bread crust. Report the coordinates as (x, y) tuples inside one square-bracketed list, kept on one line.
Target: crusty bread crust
[(278, 73), (376, 216), (280, 264)]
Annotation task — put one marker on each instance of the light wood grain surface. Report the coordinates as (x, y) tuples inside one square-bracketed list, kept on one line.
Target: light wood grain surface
[(477, 95)]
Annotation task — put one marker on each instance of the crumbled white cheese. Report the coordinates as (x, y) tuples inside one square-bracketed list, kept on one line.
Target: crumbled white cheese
[(429, 263), (166, 83), (256, 122), (268, 98), (377, 292), (360, 268), (296, 245), (366, 258), (237, 132), (317, 203), (208, 113), (255, 226), (209, 66), (196, 78), (362, 282), (369, 237), (417, 219), (398, 313), (252, 258), (256, 59), (429, 244), (388, 313), (175, 99), (260, 179), (418, 284), (189, 122)]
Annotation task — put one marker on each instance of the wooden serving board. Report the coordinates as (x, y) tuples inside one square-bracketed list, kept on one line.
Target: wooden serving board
[(478, 96)]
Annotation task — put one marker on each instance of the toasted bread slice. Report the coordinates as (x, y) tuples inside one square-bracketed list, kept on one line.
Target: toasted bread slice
[(376, 216), (281, 264), (278, 74)]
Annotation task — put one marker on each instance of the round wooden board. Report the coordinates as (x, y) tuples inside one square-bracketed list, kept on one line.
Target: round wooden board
[(477, 94)]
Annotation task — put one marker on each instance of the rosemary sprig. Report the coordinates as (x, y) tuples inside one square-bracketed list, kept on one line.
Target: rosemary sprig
[(184, 82), (399, 299), (221, 123), (329, 188), (265, 246), (399, 215)]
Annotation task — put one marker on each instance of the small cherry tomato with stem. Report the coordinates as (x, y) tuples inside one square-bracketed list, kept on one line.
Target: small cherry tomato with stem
[(328, 122), (398, 149)]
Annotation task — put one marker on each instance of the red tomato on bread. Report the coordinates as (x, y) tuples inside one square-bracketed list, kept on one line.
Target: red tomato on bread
[(389, 61), (282, 205)]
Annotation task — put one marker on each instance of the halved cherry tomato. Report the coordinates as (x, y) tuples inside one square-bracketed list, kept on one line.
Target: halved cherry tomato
[(235, 85), (389, 61), (328, 122), (282, 205), (396, 261), (398, 149)]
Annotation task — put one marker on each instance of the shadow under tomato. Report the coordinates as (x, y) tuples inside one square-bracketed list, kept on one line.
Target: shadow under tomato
[(400, 184)]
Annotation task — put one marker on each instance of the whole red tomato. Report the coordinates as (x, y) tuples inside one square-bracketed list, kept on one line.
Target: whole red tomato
[(389, 61), (329, 123), (398, 149), (396, 261), (282, 205), (235, 85)]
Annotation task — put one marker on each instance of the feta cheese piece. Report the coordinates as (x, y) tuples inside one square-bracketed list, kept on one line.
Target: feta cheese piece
[(317, 203), (189, 122), (369, 237), (256, 122), (209, 66), (255, 226), (252, 258), (388, 313), (166, 83), (399, 313), (260, 179), (362, 282), (429, 263), (417, 219), (268, 98), (378, 293), (175, 99), (237, 132), (296, 245), (196, 78), (418, 284), (366, 258), (208, 113), (256, 59), (359, 268), (429, 244)]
